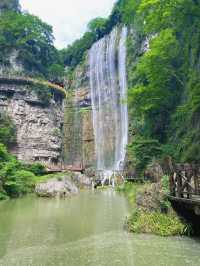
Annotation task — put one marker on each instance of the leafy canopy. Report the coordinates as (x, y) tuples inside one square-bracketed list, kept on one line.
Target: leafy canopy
[(32, 38)]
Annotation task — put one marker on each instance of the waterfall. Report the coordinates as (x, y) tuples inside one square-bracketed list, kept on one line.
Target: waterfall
[(107, 60), (120, 157)]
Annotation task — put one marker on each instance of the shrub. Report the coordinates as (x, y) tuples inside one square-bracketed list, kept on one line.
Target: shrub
[(16, 178), (19, 183), (37, 169), (4, 156), (155, 222), (9, 167), (143, 150)]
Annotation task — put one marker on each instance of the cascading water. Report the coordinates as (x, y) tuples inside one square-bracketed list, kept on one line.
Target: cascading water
[(107, 59), (123, 141)]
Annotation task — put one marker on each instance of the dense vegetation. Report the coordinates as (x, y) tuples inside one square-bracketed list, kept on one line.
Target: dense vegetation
[(32, 40), (97, 28), (156, 215), (164, 94), (9, 4), (164, 82), (16, 178), (123, 12)]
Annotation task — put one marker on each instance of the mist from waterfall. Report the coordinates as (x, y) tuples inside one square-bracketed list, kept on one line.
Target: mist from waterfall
[(108, 82)]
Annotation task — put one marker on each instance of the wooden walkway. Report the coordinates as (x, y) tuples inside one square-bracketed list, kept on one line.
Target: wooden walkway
[(185, 186), (70, 168)]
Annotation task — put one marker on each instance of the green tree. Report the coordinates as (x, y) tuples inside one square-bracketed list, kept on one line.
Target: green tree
[(56, 72), (74, 54), (98, 27), (9, 5), (143, 151), (19, 183), (32, 38), (165, 93), (158, 85)]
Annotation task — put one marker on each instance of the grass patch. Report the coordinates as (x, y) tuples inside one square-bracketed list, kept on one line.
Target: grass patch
[(45, 178), (155, 222)]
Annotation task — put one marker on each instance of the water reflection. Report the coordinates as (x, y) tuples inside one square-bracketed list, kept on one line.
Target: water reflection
[(83, 230)]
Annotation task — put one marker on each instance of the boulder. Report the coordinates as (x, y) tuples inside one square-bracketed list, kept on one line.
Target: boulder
[(55, 187), (81, 180), (90, 172)]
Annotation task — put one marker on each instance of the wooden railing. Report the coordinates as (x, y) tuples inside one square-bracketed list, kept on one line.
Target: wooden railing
[(185, 183), (63, 168)]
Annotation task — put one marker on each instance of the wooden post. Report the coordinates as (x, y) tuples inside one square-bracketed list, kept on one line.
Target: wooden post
[(188, 176), (179, 185), (196, 182), (172, 185)]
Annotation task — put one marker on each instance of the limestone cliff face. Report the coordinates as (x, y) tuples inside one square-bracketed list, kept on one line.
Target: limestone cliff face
[(38, 125), (78, 140)]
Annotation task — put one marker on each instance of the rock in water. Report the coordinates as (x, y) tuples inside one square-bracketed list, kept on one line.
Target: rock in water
[(81, 180), (55, 187)]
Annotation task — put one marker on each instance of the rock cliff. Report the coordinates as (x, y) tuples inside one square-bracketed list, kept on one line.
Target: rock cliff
[(78, 140), (38, 124)]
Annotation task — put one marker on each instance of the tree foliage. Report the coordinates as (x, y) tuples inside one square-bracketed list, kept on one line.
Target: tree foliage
[(164, 98), (144, 150), (97, 28), (165, 88), (32, 38), (73, 55), (9, 5), (16, 178), (158, 85)]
